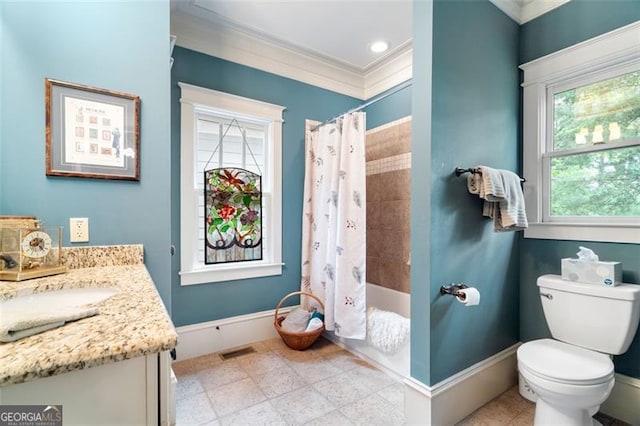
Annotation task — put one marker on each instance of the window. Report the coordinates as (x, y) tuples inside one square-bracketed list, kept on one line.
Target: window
[(581, 130), (207, 115), (593, 152)]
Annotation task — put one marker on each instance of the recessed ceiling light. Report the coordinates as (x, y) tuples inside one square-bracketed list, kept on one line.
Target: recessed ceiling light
[(378, 46)]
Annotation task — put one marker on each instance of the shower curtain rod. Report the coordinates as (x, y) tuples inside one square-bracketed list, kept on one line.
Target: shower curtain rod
[(366, 104)]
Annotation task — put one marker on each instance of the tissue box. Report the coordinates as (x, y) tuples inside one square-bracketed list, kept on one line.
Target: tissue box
[(601, 273)]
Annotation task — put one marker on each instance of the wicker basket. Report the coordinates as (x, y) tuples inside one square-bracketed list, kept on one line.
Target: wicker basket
[(297, 340)]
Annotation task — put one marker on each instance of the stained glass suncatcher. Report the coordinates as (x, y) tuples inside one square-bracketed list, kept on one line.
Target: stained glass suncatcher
[(233, 215)]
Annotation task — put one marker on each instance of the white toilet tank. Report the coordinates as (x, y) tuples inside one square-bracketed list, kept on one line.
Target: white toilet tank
[(604, 319)]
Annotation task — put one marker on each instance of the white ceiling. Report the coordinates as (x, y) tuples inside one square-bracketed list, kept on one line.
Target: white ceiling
[(315, 40), (340, 30)]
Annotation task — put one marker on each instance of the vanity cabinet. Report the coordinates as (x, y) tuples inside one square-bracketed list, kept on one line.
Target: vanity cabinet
[(131, 392), (112, 368)]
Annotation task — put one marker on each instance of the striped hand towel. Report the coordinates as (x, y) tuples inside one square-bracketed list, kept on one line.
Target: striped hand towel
[(504, 200)]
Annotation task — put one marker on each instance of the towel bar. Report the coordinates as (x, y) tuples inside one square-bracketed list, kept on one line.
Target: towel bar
[(460, 171)]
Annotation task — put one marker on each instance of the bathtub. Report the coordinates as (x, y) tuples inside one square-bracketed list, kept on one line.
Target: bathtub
[(384, 299)]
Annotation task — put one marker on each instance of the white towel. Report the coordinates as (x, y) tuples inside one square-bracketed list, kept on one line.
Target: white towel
[(492, 186), (474, 183), (386, 331), (17, 325), (296, 320), (504, 200)]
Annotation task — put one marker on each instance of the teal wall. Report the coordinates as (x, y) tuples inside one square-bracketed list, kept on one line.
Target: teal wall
[(420, 191), (472, 118), (572, 23), (120, 46), (475, 121), (391, 108), (206, 302)]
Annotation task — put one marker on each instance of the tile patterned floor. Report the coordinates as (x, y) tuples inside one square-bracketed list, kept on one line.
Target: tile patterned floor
[(324, 385), (511, 409), (508, 408)]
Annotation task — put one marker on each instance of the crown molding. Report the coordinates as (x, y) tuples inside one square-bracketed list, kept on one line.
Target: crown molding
[(233, 43), (523, 12), (198, 9), (510, 8), (615, 47), (237, 46), (382, 76), (536, 8)]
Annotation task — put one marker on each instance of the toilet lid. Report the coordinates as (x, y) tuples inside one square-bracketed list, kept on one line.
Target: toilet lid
[(561, 362)]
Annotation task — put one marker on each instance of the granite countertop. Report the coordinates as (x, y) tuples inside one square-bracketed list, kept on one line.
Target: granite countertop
[(132, 323)]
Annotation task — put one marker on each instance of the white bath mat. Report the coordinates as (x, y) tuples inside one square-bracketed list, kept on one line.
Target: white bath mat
[(386, 331)]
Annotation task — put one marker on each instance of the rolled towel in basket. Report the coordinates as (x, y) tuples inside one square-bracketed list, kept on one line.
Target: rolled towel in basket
[(296, 321), (314, 324), (386, 331)]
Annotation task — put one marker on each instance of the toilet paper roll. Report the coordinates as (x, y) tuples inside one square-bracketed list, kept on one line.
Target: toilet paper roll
[(469, 296)]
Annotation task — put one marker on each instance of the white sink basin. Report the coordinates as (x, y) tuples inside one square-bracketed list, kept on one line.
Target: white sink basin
[(54, 300)]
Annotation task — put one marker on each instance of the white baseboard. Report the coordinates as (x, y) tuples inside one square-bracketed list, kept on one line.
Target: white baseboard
[(215, 336), (454, 398), (624, 401)]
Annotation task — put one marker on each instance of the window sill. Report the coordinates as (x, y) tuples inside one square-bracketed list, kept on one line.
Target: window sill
[(581, 232), (214, 274)]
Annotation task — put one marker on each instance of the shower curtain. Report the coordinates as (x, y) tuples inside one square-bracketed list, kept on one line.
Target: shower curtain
[(334, 223)]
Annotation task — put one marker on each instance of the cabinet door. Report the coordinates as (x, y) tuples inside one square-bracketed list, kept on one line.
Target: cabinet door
[(124, 392)]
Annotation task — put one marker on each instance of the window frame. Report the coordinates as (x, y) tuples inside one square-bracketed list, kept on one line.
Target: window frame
[(195, 100), (606, 55), (225, 120)]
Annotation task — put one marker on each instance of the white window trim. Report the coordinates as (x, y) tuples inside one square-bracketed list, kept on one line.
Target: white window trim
[(193, 98), (614, 49)]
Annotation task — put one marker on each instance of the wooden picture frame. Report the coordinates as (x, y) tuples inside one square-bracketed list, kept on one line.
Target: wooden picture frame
[(91, 132)]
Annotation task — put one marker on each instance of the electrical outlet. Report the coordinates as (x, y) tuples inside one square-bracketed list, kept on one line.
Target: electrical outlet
[(79, 229)]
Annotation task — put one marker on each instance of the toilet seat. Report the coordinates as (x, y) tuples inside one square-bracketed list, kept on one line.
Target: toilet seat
[(563, 363)]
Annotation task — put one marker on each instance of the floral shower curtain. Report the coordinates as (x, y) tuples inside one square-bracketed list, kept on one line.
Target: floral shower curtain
[(334, 222)]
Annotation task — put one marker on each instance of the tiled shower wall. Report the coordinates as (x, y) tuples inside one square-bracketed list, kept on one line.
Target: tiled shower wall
[(388, 156)]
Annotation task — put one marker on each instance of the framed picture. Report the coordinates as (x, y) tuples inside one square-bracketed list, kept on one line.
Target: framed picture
[(91, 132)]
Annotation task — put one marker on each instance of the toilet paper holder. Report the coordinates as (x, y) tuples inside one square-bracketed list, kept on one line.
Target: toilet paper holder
[(453, 289)]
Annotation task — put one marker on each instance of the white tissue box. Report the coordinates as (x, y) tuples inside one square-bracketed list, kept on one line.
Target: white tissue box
[(601, 273)]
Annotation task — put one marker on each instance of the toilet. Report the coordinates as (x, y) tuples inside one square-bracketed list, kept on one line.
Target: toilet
[(572, 374)]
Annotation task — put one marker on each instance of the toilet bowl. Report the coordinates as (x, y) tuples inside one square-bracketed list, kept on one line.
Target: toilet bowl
[(570, 382), (572, 374)]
